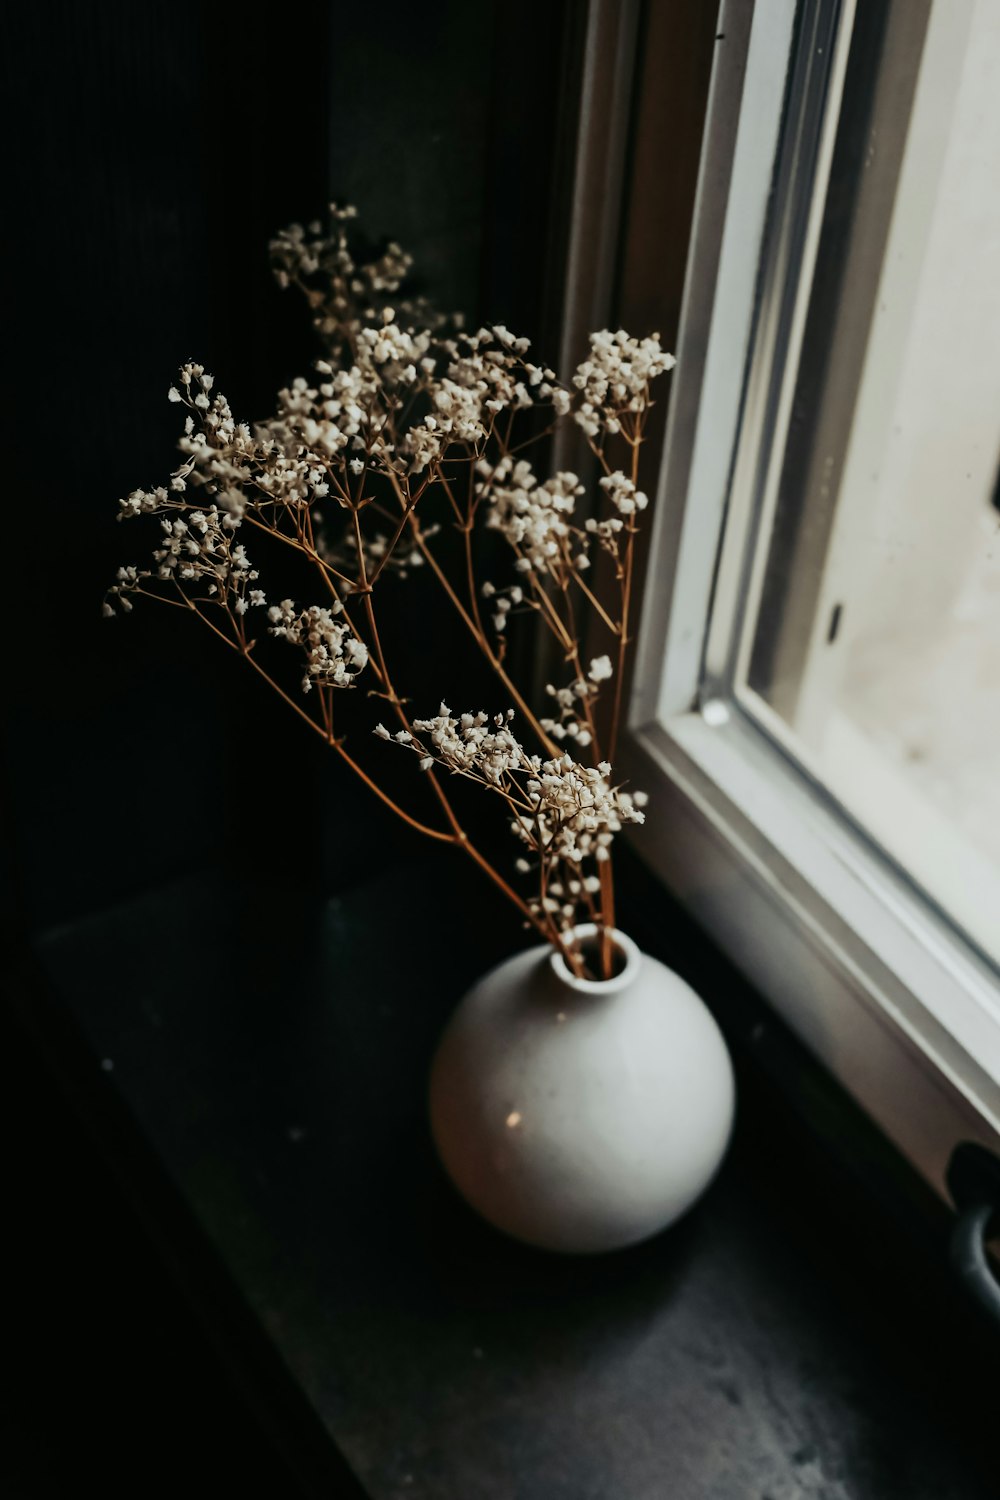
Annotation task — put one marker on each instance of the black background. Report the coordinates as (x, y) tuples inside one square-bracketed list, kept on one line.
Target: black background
[(151, 151)]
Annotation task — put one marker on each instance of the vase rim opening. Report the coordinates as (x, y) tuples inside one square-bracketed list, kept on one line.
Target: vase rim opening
[(580, 936)]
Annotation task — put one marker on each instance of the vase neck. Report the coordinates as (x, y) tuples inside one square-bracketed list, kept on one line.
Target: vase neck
[(586, 937)]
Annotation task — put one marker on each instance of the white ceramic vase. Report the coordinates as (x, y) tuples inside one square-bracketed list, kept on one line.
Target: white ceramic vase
[(576, 1115)]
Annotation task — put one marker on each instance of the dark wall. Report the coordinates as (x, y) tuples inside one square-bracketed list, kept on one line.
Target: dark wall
[(443, 123), (151, 151)]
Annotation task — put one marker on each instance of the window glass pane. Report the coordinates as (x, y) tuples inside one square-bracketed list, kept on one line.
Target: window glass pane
[(872, 644)]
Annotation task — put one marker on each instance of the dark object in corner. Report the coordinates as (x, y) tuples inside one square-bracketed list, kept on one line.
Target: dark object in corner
[(974, 1184)]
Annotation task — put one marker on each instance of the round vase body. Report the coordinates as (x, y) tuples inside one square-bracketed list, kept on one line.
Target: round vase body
[(581, 1116)]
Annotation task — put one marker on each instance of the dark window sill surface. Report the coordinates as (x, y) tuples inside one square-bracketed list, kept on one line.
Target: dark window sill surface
[(267, 1055)]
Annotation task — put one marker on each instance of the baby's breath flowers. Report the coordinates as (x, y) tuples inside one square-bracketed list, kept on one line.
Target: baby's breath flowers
[(564, 813), (334, 656), (406, 427)]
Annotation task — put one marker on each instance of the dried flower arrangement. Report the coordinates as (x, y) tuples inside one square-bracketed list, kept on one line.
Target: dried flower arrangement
[(407, 411)]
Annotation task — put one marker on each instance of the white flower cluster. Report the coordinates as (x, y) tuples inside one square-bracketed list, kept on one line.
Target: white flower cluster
[(456, 416), (502, 602), (485, 373), (217, 446), (572, 703), (461, 384), (534, 518), (606, 532), (615, 379), (143, 503), (349, 409), (315, 424), (201, 547), (565, 814), (622, 493), (334, 655), (342, 286), (473, 745), (130, 581), (396, 354), (236, 466), (302, 251), (576, 812), (198, 549)]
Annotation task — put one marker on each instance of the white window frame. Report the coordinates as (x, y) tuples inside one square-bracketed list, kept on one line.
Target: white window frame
[(884, 991)]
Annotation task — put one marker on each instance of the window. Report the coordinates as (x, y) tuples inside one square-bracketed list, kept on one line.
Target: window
[(817, 690)]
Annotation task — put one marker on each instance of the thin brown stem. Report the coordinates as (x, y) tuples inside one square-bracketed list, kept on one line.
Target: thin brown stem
[(550, 614), (479, 636), (599, 455), (459, 518), (595, 603), (325, 733), (246, 652), (326, 571), (580, 675), (431, 833), (391, 547), (606, 875), (459, 835), (623, 639), (335, 744), (300, 546), (470, 577), (407, 511)]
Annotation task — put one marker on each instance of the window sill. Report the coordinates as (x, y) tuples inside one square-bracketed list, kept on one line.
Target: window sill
[(894, 1007), (272, 1062)]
